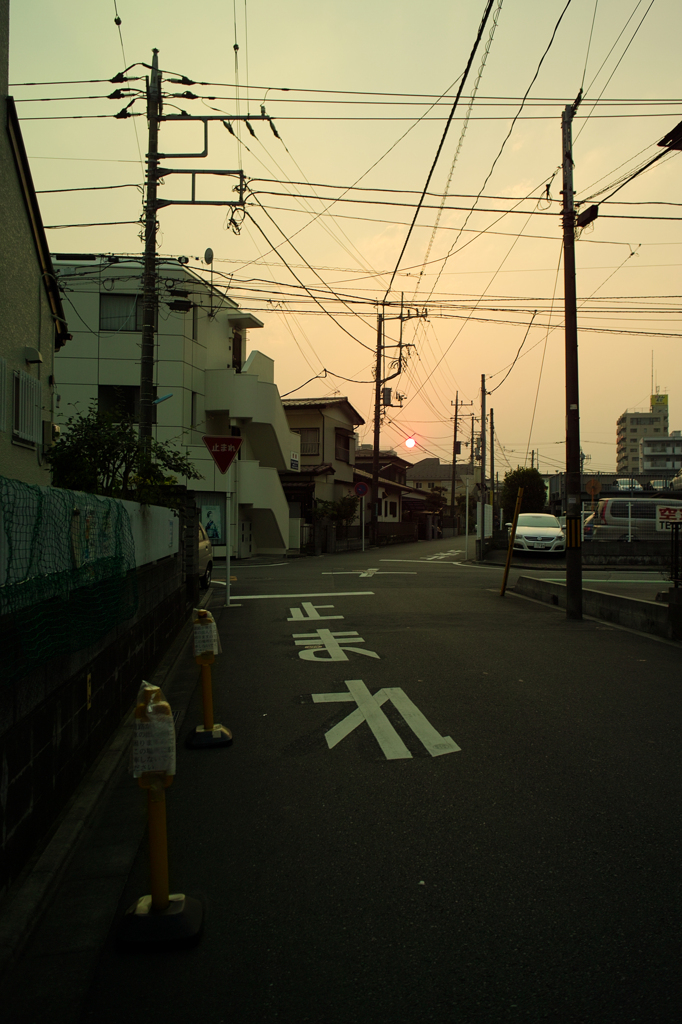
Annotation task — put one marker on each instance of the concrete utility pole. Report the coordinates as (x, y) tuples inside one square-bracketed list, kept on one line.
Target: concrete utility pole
[(457, 446), (377, 428), (378, 386), (574, 568), (149, 297), (454, 457), (482, 492)]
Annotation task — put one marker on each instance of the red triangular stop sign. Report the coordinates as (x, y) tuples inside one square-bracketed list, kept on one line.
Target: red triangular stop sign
[(223, 449)]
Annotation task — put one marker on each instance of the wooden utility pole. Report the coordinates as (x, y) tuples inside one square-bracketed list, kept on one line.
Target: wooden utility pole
[(149, 291), (574, 569)]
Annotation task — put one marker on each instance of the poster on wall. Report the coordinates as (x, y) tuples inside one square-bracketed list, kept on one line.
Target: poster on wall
[(212, 522)]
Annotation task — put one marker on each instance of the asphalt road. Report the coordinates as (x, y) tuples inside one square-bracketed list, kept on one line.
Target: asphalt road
[(479, 824)]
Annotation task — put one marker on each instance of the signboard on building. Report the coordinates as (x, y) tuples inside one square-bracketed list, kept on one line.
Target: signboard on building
[(293, 461), (657, 401), (666, 515)]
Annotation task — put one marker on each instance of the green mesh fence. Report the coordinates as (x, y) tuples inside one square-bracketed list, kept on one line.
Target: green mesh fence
[(66, 572)]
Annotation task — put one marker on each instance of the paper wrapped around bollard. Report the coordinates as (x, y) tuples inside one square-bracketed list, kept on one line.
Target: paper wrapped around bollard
[(154, 741), (206, 638)]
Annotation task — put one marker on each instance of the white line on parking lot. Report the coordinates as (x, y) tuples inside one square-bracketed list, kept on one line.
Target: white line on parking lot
[(333, 593)]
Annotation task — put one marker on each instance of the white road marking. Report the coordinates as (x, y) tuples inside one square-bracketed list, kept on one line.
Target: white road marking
[(370, 572), (369, 710), (286, 597), (311, 612), (419, 561)]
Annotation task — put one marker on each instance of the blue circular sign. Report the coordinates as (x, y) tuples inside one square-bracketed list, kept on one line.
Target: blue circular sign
[(361, 489)]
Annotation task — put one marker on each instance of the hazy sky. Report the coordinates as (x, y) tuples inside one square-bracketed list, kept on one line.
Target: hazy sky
[(361, 80)]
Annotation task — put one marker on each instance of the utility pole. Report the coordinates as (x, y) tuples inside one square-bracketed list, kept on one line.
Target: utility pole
[(378, 384), (454, 458), (492, 465), (456, 447), (377, 429), (149, 296), (574, 569), (482, 492)]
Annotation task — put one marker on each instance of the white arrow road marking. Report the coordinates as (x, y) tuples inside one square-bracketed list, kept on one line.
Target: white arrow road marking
[(369, 710)]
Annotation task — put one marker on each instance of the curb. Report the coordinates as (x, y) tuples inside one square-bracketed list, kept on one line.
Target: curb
[(24, 907)]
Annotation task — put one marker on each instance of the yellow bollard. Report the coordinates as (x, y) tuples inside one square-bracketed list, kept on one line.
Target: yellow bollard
[(206, 644), (160, 917), (207, 694)]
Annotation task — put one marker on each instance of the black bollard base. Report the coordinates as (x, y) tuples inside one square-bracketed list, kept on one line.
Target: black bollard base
[(218, 736), (179, 924)]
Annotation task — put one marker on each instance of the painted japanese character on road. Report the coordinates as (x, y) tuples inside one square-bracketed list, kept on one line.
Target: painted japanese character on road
[(328, 645)]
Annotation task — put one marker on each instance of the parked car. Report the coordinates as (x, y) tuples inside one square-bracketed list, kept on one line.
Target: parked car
[(205, 559), (628, 518), (538, 531), (628, 484)]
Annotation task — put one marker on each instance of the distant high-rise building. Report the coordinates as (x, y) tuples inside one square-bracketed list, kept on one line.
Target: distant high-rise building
[(632, 425)]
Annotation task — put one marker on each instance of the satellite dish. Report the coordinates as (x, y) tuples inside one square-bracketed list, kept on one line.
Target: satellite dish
[(208, 256)]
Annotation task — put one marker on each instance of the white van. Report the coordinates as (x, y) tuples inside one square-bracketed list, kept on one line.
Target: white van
[(628, 519)]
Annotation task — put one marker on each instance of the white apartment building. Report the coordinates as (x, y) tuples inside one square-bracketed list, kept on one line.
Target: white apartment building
[(206, 384), (661, 453)]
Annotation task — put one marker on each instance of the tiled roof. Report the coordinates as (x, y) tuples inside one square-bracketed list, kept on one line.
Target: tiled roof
[(321, 403)]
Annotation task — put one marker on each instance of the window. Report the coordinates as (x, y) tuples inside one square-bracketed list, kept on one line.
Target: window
[(118, 312), (418, 484), (122, 401), (393, 508), (310, 440), (237, 352), (431, 486), (27, 425), (342, 447)]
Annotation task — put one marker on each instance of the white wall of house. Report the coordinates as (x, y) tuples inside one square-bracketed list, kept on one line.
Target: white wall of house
[(26, 392), (194, 354)]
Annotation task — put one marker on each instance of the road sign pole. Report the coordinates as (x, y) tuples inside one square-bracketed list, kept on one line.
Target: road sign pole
[(228, 542), (362, 515)]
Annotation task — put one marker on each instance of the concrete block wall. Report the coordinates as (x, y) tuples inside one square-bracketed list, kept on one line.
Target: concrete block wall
[(54, 722)]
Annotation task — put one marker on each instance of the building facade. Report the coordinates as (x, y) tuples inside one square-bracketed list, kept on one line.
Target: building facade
[(204, 383), (661, 454), (632, 426), (430, 474), (33, 322), (326, 430)]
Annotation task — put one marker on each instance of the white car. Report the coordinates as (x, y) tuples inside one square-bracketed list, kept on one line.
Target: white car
[(537, 531)]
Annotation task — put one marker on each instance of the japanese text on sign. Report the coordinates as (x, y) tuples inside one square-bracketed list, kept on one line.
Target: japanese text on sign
[(666, 515), (154, 746)]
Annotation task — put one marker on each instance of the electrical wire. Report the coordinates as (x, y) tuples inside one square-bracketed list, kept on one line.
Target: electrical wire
[(486, 15)]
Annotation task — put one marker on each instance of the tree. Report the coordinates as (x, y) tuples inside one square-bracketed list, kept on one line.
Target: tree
[(534, 492), (435, 501), (342, 511), (100, 453)]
